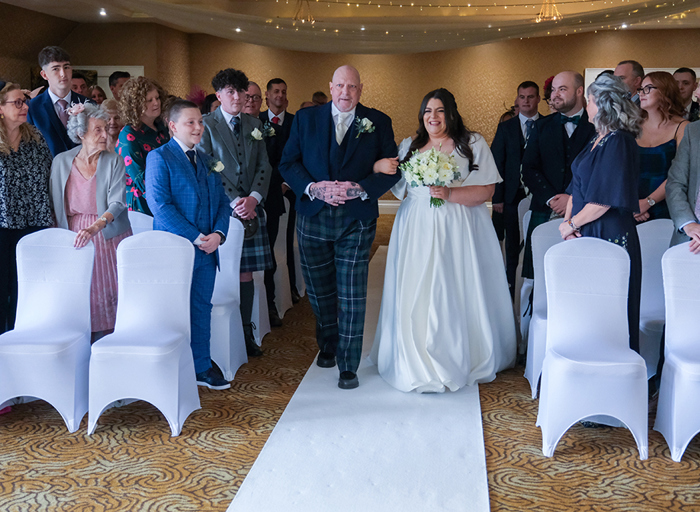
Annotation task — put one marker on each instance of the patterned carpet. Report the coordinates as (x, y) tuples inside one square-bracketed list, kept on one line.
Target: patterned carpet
[(132, 464)]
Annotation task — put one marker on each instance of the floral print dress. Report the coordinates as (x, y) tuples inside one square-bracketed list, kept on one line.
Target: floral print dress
[(133, 145)]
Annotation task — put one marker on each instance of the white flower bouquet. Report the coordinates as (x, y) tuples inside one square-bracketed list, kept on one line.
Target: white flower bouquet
[(432, 167)]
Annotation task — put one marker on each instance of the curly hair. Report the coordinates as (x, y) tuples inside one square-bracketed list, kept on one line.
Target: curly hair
[(670, 101), (615, 109), (78, 125), (132, 99), (27, 132), (230, 78)]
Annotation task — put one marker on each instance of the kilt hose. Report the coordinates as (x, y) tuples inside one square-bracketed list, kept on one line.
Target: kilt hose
[(334, 252)]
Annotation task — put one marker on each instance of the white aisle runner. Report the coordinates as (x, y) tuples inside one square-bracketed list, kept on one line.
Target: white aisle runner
[(371, 449)]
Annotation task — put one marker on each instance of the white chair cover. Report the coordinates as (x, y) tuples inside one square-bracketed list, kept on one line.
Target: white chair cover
[(140, 222), (227, 340), (283, 291), (260, 316), (46, 355), (148, 357), (522, 294), (589, 369), (678, 413), (543, 237), (523, 209), (654, 239)]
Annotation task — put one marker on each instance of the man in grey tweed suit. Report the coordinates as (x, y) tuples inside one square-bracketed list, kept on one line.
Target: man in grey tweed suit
[(682, 189), (235, 139)]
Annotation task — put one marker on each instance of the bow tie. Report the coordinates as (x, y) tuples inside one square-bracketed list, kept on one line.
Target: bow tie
[(572, 119)]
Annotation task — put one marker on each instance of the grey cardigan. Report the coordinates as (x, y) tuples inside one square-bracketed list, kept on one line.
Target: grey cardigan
[(111, 189)]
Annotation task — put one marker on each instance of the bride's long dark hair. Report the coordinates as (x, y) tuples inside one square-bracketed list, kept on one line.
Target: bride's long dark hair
[(456, 128)]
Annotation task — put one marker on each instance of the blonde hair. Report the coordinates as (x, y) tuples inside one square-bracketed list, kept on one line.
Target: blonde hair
[(132, 99), (27, 132)]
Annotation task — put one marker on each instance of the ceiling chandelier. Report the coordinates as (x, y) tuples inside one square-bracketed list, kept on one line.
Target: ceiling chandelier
[(548, 12), (303, 12)]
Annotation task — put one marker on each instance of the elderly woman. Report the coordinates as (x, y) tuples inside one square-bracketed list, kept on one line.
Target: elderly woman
[(88, 197), (662, 130), (25, 165), (140, 105), (114, 125), (604, 183)]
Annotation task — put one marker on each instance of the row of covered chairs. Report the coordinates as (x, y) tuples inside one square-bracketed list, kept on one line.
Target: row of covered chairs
[(589, 372)]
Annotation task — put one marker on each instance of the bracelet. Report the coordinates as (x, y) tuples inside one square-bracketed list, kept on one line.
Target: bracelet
[(570, 222)]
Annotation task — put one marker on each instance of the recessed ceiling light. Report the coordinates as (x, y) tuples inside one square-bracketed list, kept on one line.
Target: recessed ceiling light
[(238, 29), (103, 12)]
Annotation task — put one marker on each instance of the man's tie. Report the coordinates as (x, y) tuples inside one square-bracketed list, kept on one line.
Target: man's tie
[(236, 122), (275, 120), (572, 119), (528, 128), (341, 128), (62, 111), (190, 156)]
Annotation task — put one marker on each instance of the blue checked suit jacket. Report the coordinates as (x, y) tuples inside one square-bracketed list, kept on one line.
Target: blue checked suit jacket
[(306, 158), (43, 115), (172, 192)]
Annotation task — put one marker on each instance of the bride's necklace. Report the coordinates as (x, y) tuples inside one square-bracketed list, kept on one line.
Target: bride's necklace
[(437, 145)]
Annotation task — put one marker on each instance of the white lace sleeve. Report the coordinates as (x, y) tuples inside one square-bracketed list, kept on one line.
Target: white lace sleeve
[(399, 190)]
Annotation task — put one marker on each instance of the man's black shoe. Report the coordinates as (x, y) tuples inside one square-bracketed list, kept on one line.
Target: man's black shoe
[(325, 360), (211, 380), (251, 347), (275, 320), (348, 380)]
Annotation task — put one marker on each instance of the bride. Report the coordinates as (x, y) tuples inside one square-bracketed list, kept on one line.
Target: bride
[(446, 318)]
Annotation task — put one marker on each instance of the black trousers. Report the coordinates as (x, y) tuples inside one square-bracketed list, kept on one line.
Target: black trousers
[(8, 274)]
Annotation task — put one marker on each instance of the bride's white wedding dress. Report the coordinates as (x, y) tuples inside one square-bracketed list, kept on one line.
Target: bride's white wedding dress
[(446, 318)]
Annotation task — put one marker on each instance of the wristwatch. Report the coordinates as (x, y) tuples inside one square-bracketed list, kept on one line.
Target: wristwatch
[(222, 236), (104, 219), (651, 202)]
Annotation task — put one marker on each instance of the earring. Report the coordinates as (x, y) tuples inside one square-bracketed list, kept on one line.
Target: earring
[(2, 116)]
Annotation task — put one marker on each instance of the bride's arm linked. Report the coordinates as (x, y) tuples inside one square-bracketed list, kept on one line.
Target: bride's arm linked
[(470, 195)]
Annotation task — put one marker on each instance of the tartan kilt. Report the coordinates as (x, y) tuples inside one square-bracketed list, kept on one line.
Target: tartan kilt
[(256, 254)]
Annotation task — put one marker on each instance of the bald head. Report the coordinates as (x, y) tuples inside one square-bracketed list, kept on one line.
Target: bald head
[(346, 88), (567, 92)]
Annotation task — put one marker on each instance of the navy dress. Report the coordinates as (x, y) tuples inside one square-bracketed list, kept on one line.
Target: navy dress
[(654, 165), (608, 175)]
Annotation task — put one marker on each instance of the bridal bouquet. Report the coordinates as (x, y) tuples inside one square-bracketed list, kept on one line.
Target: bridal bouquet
[(433, 167)]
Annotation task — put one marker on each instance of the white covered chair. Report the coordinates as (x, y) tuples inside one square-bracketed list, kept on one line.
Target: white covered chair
[(543, 237), (524, 290), (46, 355), (140, 222), (589, 369), (148, 357), (654, 239), (678, 412), (283, 291), (227, 340), (260, 315)]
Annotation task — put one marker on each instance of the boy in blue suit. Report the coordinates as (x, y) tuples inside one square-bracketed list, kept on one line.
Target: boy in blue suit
[(187, 198)]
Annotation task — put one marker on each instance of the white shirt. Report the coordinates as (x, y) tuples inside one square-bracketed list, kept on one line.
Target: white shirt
[(228, 118), (280, 116), (570, 127), (54, 100), (523, 120)]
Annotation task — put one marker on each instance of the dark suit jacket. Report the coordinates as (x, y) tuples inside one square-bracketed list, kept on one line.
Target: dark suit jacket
[(173, 193), (43, 115), (546, 167), (306, 158), (274, 203), (507, 148)]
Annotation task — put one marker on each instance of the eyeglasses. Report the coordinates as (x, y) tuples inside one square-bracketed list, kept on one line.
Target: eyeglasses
[(254, 97), (18, 103), (646, 89)]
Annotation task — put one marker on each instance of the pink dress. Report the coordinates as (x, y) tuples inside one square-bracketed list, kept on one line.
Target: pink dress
[(81, 209)]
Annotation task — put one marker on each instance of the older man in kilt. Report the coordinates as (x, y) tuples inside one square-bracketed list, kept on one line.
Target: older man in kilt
[(235, 139)]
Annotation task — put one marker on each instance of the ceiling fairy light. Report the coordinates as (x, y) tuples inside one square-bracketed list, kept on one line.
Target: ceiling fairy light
[(548, 12), (303, 12)]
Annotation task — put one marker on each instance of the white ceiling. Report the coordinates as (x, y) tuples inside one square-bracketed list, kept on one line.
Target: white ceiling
[(377, 26)]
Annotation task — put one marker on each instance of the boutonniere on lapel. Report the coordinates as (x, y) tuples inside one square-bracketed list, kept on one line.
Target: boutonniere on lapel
[(216, 166), (268, 130), (256, 134), (363, 125)]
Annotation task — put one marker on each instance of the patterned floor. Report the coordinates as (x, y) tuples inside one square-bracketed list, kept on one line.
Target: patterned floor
[(132, 464)]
